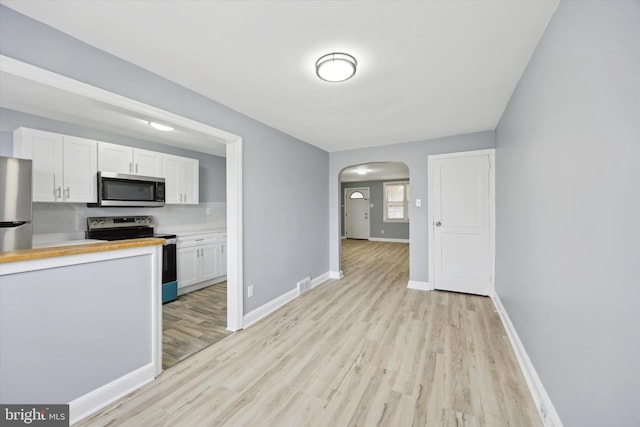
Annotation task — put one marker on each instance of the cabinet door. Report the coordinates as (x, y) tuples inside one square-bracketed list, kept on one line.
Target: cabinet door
[(170, 170), (188, 262), (191, 181), (208, 261), (115, 158), (222, 259), (147, 163), (45, 151), (80, 170)]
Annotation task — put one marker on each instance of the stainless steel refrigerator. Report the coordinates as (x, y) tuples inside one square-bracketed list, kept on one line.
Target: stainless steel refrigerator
[(16, 231)]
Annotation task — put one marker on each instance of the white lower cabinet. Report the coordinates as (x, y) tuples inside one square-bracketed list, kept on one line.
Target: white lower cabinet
[(199, 258), (222, 253)]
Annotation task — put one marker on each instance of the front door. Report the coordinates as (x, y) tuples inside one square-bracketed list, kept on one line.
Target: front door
[(357, 213), (461, 209)]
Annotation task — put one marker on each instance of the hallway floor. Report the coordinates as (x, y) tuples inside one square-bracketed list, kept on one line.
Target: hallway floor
[(364, 350)]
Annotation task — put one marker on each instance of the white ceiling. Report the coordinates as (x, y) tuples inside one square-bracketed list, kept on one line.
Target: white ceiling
[(375, 172), (22, 94), (425, 68)]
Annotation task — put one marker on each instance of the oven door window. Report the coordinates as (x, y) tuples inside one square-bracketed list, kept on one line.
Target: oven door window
[(118, 189)]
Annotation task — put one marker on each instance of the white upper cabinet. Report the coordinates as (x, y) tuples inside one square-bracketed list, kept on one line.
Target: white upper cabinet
[(115, 158), (147, 163), (80, 170), (181, 176), (64, 167), (123, 159)]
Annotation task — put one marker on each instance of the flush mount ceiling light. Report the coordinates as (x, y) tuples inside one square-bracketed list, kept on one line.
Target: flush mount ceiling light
[(336, 67), (160, 126), (361, 171)]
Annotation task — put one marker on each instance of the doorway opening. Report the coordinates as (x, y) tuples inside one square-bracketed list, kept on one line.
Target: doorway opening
[(374, 210)]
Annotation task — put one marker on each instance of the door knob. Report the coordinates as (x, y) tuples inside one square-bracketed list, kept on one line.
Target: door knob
[(438, 224)]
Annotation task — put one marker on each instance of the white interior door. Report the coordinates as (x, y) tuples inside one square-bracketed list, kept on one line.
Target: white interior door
[(461, 215), (357, 213)]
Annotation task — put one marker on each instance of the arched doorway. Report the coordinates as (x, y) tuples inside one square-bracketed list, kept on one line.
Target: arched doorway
[(374, 205)]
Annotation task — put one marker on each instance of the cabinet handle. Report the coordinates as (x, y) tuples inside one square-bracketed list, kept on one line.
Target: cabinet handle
[(68, 191), (130, 167), (136, 168), (180, 197), (59, 192), (221, 249), (185, 197)]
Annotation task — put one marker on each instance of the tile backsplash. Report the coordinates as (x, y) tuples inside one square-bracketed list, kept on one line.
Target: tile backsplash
[(71, 218)]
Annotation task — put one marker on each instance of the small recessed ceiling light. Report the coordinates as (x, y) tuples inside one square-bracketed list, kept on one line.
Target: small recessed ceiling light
[(336, 67), (160, 126)]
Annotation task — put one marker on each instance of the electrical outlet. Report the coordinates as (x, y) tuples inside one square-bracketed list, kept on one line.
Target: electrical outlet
[(381, 231), (208, 211), (543, 414), (250, 291)]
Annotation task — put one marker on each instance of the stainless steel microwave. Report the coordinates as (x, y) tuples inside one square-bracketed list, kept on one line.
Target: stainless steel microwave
[(118, 189)]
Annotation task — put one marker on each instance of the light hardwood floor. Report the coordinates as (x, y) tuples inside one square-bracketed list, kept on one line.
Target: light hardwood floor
[(364, 350), (193, 322)]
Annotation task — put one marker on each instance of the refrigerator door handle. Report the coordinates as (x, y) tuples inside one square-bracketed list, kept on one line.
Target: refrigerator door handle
[(10, 224)]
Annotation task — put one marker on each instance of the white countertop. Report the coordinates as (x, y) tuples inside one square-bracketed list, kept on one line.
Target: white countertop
[(190, 230)]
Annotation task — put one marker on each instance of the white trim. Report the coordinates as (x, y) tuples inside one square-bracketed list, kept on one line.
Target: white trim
[(420, 286), (320, 279), (97, 399), (235, 275), (268, 308), (384, 239), (234, 162), (491, 152), (343, 237), (541, 399), (336, 275), (368, 197), (385, 202), (201, 285)]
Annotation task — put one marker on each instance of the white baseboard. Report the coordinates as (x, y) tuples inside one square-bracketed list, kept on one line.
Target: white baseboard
[(268, 308), (343, 237), (384, 239), (97, 399), (320, 279), (336, 275), (546, 410), (201, 285), (421, 286)]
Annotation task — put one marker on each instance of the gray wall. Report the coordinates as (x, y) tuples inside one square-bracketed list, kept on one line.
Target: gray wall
[(66, 331), (392, 230), (568, 212), (284, 179), (414, 155), (213, 178)]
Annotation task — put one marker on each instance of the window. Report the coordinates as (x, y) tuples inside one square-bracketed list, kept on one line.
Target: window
[(356, 195), (396, 201)]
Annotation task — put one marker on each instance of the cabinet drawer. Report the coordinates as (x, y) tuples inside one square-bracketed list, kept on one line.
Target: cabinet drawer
[(197, 240)]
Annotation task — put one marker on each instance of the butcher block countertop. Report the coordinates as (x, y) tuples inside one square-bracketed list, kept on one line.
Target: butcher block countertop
[(64, 250)]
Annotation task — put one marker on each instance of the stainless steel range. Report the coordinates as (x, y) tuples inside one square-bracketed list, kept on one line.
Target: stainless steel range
[(135, 227)]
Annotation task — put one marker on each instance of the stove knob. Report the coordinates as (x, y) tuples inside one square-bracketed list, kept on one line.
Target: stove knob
[(94, 222), (102, 222), (148, 220), (137, 220)]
